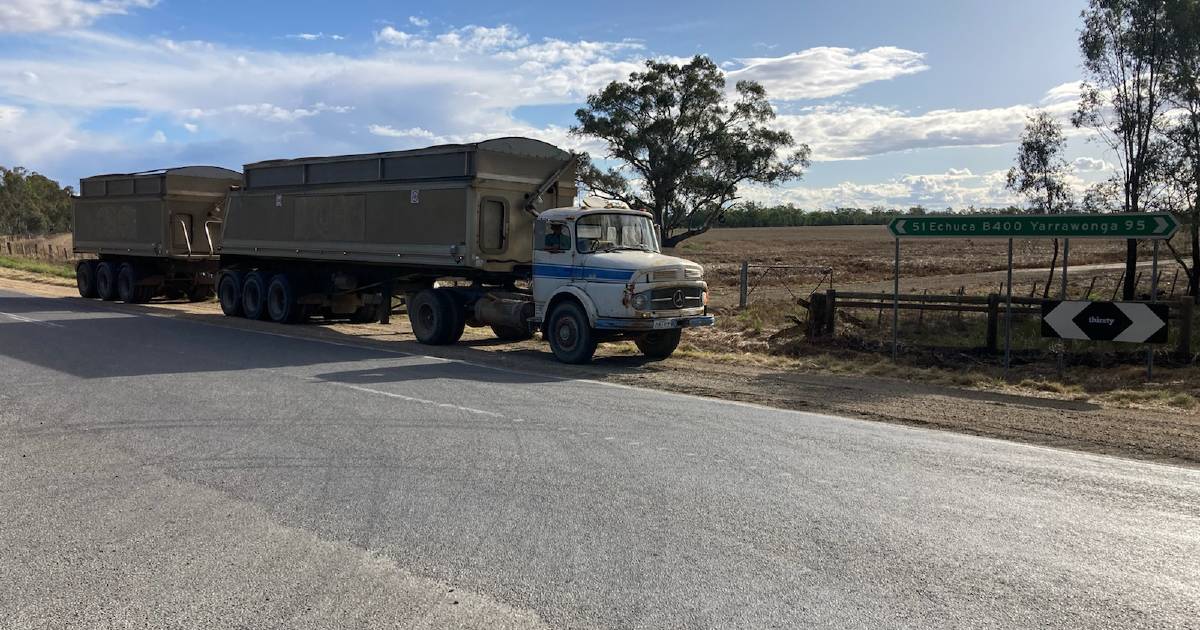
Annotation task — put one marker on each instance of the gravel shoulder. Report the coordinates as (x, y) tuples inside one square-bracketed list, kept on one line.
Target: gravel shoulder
[(1161, 435)]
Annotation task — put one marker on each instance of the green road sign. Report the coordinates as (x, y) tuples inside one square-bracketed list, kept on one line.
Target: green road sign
[(1154, 225)]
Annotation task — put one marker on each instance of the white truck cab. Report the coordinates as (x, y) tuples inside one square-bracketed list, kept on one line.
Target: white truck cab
[(599, 275)]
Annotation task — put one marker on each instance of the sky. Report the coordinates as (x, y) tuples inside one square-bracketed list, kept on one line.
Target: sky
[(902, 103)]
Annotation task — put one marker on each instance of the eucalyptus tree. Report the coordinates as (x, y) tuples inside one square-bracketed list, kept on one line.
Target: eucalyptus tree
[(684, 144)]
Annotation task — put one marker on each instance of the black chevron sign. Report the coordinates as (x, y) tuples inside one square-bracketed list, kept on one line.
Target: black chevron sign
[(1133, 322)]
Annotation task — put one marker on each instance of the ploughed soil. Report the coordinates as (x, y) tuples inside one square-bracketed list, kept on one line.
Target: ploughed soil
[(1072, 421)]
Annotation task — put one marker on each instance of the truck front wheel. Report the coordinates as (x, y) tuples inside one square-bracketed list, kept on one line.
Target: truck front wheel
[(659, 344), (433, 318), (570, 334)]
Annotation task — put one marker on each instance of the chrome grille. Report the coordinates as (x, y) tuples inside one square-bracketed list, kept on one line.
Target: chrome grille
[(666, 299)]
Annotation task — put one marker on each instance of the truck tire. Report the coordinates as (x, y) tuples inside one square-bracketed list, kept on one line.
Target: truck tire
[(570, 334), (229, 292), (281, 300), (659, 344), (431, 314), (254, 295), (128, 290), (106, 281), (458, 315), (512, 333), (85, 278)]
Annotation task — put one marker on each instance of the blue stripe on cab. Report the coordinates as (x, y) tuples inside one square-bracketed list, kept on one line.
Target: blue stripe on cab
[(601, 274)]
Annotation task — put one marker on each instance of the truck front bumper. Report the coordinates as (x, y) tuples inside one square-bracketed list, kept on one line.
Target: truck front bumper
[(658, 323)]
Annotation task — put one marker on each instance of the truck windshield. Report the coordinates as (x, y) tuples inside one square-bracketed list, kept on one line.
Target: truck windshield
[(611, 232)]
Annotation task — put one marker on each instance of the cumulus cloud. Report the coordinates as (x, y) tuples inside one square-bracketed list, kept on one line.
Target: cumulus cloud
[(418, 22), (312, 37), (954, 188), (269, 112), (388, 131), (838, 132), (1091, 165), (823, 72), (28, 16)]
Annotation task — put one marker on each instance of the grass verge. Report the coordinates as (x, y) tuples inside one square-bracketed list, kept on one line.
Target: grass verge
[(61, 270)]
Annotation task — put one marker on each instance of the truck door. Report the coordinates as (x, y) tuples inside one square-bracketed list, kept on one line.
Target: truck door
[(553, 260)]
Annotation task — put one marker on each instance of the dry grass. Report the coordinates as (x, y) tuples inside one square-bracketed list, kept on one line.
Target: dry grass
[(53, 247), (57, 269)]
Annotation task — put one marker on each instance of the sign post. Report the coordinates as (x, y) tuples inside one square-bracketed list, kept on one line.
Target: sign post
[(1153, 300), (1008, 313), (896, 305), (1062, 295)]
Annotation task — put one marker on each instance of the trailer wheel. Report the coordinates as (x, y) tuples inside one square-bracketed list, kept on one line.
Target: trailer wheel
[(431, 314), (660, 344), (128, 290), (254, 295), (281, 300), (570, 334), (512, 333), (85, 278), (229, 292), (106, 281)]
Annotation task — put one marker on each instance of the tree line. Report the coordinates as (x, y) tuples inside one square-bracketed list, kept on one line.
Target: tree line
[(32, 204), (753, 214)]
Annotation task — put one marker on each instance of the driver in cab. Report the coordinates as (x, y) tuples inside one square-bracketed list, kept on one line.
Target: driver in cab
[(557, 239)]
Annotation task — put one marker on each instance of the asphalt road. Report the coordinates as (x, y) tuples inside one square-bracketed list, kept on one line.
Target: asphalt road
[(160, 472)]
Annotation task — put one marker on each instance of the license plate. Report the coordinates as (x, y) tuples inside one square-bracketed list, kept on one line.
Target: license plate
[(665, 323)]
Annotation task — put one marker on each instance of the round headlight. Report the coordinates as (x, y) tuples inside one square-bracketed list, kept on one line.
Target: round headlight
[(639, 302)]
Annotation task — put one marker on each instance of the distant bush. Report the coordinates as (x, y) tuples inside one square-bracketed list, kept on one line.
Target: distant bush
[(33, 204)]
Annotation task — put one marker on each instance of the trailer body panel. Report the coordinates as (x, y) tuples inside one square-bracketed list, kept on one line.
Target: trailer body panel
[(445, 210), (172, 213)]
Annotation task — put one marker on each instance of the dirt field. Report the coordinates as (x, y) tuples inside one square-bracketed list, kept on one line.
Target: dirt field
[(863, 255), (1117, 421)]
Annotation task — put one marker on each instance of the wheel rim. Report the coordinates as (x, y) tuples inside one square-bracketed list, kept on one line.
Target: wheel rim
[(426, 316), (566, 333), (252, 298), (104, 281), (275, 301)]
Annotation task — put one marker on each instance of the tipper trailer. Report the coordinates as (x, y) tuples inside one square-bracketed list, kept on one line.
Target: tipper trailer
[(480, 234), (152, 233)]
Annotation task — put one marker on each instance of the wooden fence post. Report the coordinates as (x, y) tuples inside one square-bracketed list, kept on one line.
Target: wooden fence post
[(993, 322), (744, 285), (1184, 349), (831, 310), (817, 312)]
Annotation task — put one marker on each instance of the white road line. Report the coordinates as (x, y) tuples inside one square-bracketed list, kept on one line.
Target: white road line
[(27, 320), (422, 401)]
